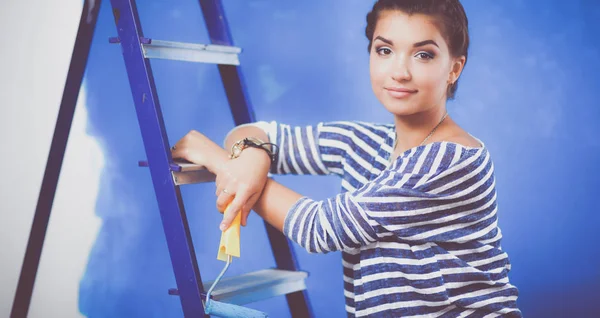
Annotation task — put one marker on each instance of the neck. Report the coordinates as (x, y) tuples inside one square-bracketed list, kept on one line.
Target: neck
[(411, 130)]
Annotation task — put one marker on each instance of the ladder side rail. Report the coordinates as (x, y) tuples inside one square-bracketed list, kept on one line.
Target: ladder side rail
[(243, 112), (150, 119), (37, 235)]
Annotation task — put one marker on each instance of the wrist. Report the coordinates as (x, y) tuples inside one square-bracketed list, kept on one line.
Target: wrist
[(257, 155), (216, 157), (252, 142)]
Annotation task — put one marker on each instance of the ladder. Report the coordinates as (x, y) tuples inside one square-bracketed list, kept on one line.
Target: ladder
[(167, 175)]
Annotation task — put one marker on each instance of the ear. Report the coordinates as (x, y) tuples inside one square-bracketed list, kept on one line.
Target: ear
[(456, 68)]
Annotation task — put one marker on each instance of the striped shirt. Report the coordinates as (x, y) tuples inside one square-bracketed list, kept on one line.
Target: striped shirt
[(419, 236)]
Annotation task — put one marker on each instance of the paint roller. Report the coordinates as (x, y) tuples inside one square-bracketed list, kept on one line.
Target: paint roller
[(228, 248)]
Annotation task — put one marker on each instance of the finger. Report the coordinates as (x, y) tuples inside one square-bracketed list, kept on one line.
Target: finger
[(247, 208), (231, 212), (223, 200), (174, 151), (244, 215), (218, 185), (222, 182), (178, 151), (175, 146)]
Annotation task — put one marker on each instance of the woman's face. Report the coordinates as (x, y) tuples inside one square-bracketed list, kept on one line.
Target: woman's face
[(410, 63)]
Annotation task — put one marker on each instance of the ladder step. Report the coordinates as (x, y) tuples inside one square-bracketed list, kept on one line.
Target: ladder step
[(192, 52), (257, 286), (187, 173)]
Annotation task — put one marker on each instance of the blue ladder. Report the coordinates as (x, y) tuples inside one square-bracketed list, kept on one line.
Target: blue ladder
[(285, 279)]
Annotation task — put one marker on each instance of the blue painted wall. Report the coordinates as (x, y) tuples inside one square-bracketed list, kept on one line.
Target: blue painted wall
[(529, 91)]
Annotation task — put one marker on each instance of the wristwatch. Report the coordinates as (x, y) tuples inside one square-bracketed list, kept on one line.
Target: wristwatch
[(240, 145)]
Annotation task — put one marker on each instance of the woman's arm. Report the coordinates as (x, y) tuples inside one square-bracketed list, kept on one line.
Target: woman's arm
[(245, 131), (275, 202), (319, 149), (272, 204), (455, 204), (243, 178), (299, 150)]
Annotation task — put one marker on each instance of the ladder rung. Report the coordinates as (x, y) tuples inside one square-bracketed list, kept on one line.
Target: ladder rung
[(192, 52), (187, 173), (256, 286), (191, 173)]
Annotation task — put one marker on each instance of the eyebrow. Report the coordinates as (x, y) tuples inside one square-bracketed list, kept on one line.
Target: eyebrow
[(418, 44), (423, 43), (384, 40)]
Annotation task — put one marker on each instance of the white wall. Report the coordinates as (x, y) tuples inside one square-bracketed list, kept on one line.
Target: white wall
[(37, 39)]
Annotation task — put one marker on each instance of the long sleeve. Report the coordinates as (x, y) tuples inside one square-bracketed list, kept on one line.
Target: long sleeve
[(325, 148), (444, 193)]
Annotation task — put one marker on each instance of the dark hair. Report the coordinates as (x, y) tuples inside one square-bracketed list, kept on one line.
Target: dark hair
[(450, 15)]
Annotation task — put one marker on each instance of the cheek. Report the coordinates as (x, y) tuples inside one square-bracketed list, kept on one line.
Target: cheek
[(378, 71), (431, 78)]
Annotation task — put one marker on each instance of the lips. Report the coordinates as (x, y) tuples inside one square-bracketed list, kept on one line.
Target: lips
[(400, 92), (401, 89)]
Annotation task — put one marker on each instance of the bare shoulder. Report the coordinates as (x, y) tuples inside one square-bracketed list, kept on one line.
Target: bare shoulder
[(460, 136), (465, 140)]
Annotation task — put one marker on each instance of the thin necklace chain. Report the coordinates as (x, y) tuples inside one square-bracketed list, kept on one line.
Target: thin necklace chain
[(434, 129), (430, 134)]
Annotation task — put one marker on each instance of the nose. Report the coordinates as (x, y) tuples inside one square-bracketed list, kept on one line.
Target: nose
[(401, 70)]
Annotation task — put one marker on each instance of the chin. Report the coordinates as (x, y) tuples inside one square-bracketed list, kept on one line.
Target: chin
[(401, 108)]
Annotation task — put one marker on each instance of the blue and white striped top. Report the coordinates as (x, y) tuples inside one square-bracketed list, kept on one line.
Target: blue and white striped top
[(419, 236)]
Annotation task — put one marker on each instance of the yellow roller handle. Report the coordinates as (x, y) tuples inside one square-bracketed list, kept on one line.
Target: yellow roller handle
[(230, 240)]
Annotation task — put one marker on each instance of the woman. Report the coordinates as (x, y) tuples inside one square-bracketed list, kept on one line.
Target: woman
[(416, 222)]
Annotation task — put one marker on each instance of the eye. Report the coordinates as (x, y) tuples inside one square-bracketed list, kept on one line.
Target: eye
[(425, 55), (384, 50)]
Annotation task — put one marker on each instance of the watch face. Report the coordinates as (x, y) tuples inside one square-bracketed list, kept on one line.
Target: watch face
[(237, 151)]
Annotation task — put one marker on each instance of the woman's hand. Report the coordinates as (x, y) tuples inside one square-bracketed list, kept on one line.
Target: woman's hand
[(241, 182), (199, 149)]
